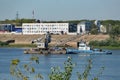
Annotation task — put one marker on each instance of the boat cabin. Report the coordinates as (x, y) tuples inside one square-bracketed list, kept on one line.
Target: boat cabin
[(83, 46), (40, 45)]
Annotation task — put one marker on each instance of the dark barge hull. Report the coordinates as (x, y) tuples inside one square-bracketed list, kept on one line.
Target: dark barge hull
[(28, 51)]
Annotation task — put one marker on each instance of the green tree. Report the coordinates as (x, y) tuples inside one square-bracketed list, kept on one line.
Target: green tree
[(94, 29), (115, 32)]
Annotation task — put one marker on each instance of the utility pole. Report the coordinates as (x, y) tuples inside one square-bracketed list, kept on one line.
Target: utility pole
[(33, 14), (17, 15)]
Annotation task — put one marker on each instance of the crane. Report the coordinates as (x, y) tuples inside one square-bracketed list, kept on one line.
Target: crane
[(46, 39)]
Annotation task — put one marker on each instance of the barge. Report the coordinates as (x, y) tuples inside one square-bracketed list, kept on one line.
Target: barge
[(45, 51)]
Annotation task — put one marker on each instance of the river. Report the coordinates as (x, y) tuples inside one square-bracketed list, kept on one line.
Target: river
[(111, 63)]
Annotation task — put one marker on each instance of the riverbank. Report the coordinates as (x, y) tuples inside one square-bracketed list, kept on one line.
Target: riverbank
[(56, 40), (108, 47), (19, 45), (74, 46), (27, 39)]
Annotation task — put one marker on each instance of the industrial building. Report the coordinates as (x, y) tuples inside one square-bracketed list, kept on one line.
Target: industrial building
[(43, 28), (56, 28), (7, 27)]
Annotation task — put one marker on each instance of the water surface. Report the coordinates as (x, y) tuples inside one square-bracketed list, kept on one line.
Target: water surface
[(110, 62)]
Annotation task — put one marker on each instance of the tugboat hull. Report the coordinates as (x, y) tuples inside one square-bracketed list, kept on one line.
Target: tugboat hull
[(76, 51)]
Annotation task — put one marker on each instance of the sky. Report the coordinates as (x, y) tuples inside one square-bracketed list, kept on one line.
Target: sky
[(54, 10)]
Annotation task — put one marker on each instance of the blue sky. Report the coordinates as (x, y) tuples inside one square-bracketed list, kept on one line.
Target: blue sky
[(61, 9)]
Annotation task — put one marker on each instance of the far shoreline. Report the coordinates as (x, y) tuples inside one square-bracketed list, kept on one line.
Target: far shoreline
[(34, 46)]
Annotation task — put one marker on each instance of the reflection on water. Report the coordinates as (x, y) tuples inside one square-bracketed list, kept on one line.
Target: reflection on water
[(110, 62)]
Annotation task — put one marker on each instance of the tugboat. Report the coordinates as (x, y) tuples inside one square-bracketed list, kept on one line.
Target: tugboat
[(82, 48), (85, 49)]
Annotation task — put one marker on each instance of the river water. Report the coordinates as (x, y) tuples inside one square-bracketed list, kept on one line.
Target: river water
[(111, 63)]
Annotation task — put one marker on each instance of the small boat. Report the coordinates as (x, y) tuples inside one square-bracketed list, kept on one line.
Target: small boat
[(100, 51), (84, 48)]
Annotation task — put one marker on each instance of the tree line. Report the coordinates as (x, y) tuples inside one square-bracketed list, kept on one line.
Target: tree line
[(19, 21)]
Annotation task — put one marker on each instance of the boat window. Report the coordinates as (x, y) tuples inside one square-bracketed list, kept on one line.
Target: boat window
[(82, 45)]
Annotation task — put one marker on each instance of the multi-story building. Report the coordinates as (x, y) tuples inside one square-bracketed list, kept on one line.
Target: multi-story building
[(43, 28)]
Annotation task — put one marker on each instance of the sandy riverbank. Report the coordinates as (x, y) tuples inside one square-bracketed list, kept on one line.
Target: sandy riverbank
[(55, 39)]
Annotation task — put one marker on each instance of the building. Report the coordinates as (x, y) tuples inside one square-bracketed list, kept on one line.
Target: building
[(72, 27), (83, 27), (7, 27), (103, 29), (18, 30), (43, 28), (98, 24)]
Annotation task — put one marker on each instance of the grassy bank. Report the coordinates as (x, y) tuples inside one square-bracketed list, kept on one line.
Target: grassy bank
[(108, 47), (33, 45), (19, 45)]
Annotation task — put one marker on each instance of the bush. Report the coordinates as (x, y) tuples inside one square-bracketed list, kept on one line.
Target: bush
[(94, 31), (3, 43), (94, 43), (21, 73), (115, 43), (108, 42)]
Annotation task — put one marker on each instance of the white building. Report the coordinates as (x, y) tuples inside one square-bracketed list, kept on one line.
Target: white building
[(43, 28), (98, 24), (100, 27), (83, 27), (103, 29)]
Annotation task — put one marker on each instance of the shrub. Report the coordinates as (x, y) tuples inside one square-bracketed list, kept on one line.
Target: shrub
[(56, 73), (3, 43), (108, 42)]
